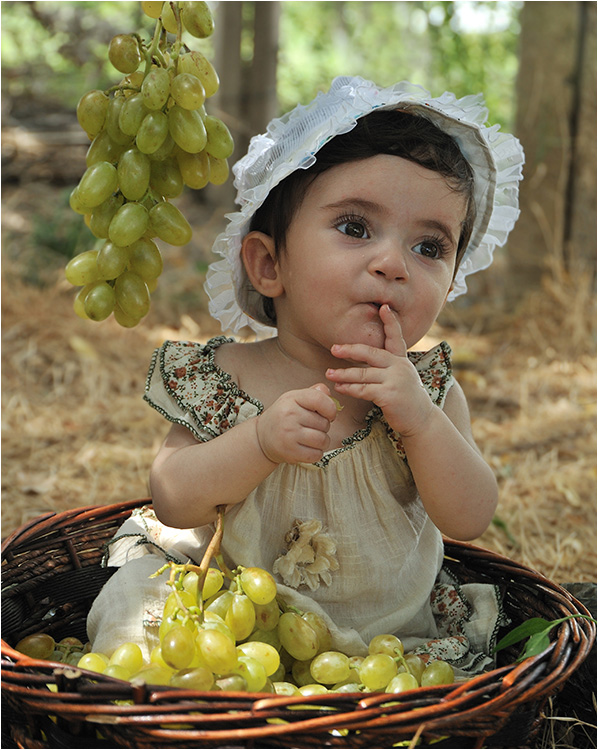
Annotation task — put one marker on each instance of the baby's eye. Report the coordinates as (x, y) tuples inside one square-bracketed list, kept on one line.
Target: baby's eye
[(353, 229), (429, 249)]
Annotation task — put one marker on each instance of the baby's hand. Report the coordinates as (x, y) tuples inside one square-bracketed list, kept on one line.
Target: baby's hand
[(388, 378), (294, 429)]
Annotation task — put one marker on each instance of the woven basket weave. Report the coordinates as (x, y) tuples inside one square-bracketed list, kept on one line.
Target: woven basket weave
[(51, 572)]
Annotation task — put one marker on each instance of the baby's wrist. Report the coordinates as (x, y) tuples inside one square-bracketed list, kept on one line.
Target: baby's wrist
[(262, 443)]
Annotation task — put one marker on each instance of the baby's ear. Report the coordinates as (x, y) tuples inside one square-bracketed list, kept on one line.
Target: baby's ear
[(259, 258)]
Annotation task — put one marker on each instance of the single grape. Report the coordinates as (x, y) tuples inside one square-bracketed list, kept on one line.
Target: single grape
[(169, 19), (218, 651), (115, 670), (219, 602), (157, 658), (155, 88), (166, 149), (128, 224), (99, 301), (82, 269), (128, 656), (232, 683), (197, 19), (133, 174), (415, 666), (178, 647), (132, 295), (115, 108), (37, 646), (301, 672), (199, 65), (79, 302), (259, 585), (132, 114), (93, 661), (152, 132), (97, 184), (169, 224), (252, 671), (402, 682), (111, 261), (212, 583), (346, 687), (91, 111), (187, 91), (153, 674), (126, 321), (285, 688), (267, 615), (240, 616), (321, 630), (377, 670), (297, 636), (152, 8), (195, 168), (102, 215), (124, 53), (438, 673), (266, 636), (385, 644), (330, 667), (267, 655), (76, 204), (197, 678), (166, 178), (215, 622), (220, 142), (187, 129), (313, 689), (103, 148), (219, 170)]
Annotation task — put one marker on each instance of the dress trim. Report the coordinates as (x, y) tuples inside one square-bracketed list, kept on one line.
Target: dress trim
[(218, 406)]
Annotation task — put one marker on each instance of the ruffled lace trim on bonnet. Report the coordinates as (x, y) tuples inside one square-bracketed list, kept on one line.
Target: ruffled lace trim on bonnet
[(291, 143)]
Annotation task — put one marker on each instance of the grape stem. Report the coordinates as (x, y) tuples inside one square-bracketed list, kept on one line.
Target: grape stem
[(212, 552)]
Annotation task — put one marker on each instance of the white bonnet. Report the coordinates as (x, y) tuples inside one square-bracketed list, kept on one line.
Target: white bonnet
[(291, 143)]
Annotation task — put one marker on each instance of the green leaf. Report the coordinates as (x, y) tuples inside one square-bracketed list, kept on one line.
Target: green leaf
[(536, 644), (525, 630)]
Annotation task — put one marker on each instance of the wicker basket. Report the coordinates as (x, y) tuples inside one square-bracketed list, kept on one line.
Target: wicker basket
[(51, 570)]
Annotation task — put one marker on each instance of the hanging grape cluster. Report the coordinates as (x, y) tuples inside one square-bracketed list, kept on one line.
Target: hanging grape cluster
[(150, 137)]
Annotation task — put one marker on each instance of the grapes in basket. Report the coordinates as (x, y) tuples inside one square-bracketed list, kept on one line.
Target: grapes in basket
[(150, 136), (233, 631)]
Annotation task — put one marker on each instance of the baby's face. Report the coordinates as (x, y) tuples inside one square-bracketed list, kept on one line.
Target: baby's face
[(380, 230)]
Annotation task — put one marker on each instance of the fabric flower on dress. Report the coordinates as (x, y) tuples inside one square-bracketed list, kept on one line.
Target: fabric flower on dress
[(309, 558)]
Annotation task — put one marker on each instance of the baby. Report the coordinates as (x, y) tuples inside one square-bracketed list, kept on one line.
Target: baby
[(341, 454)]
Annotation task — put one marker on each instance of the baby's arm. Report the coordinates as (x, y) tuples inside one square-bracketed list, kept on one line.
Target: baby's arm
[(189, 479), (456, 485)]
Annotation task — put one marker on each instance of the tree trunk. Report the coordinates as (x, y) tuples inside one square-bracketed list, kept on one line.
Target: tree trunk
[(247, 98), (556, 123)]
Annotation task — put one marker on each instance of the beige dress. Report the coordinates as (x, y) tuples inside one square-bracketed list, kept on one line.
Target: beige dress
[(347, 537)]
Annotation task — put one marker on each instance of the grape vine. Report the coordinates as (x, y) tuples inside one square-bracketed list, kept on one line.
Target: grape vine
[(150, 137)]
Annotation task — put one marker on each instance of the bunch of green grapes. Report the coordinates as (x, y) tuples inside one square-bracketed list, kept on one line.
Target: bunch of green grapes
[(244, 638), (150, 137)]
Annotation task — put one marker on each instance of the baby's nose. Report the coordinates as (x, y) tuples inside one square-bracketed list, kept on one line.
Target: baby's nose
[(391, 263)]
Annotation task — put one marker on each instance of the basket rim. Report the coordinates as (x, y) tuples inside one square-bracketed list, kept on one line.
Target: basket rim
[(24, 679)]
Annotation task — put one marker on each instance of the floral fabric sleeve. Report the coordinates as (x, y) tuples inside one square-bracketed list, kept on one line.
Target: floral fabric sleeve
[(187, 387), (436, 373)]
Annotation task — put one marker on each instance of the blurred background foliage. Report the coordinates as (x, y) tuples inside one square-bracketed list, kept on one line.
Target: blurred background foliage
[(57, 50)]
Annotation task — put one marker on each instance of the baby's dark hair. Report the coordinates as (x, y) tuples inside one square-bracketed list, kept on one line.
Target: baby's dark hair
[(394, 132)]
